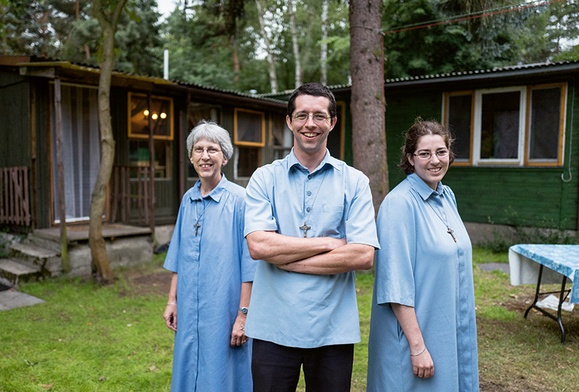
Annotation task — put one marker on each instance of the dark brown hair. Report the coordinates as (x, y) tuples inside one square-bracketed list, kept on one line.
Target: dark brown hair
[(316, 90), (415, 132)]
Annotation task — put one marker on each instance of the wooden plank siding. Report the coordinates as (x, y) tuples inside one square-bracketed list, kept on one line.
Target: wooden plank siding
[(514, 196), (14, 196), (14, 101)]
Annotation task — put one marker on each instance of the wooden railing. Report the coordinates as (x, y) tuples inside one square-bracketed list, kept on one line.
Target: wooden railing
[(130, 195), (15, 196)]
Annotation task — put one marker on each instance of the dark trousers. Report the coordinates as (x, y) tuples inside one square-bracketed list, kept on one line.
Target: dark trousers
[(276, 368)]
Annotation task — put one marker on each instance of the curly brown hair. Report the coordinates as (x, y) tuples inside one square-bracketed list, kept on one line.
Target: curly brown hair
[(415, 132)]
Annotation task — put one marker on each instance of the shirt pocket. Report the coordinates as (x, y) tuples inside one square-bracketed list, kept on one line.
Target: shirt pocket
[(329, 221)]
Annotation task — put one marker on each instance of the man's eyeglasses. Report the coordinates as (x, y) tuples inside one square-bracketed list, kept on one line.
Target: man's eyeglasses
[(318, 118), (440, 154), (211, 151)]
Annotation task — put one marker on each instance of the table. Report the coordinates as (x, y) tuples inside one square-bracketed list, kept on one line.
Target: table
[(527, 262)]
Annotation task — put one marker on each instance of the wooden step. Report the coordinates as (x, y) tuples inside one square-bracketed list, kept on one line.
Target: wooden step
[(13, 272)]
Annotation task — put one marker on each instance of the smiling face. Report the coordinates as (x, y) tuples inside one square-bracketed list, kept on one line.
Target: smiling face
[(208, 159), (432, 169), (311, 135)]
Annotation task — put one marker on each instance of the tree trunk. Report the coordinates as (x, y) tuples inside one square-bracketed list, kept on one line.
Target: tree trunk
[(368, 102), (295, 44), (108, 17), (60, 170), (270, 59), (234, 59), (324, 46)]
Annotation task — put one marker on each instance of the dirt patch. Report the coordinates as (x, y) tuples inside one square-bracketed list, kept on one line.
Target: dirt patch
[(148, 282)]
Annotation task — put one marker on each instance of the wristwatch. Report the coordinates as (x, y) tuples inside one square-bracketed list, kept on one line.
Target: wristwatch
[(243, 310)]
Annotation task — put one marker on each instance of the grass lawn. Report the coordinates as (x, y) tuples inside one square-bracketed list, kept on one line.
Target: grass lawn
[(91, 338)]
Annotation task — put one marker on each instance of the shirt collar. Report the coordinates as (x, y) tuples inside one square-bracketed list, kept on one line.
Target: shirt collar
[(328, 160), (215, 194), (422, 188)]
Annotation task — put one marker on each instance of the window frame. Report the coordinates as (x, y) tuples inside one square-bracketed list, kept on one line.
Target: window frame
[(477, 141), (236, 140), (562, 124), (138, 135), (445, 119)]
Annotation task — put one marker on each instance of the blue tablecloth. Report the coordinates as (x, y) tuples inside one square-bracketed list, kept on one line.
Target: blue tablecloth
[(563, 259)]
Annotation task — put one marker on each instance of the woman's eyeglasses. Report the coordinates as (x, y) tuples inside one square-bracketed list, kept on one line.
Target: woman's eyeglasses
[(440, 154), (211, 151)]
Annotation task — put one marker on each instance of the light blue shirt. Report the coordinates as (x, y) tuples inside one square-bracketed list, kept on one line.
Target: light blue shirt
[(210, 268), (302, 310), (420, 265)]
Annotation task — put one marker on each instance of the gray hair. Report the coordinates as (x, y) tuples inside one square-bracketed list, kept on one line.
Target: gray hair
[(212, 132)]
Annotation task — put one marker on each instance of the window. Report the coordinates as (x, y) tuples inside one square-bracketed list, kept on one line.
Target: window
[(545, 140), (156, 113), (249, 128), (159, 115), (510, 126), (80, 151), (460, 117), (248, 137), (499, 126)]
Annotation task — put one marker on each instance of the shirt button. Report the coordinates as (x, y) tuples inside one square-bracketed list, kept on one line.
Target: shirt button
[(309, 193), (308, 209)]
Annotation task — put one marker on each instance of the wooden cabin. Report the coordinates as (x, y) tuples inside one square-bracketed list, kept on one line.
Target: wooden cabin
[(151, 117)]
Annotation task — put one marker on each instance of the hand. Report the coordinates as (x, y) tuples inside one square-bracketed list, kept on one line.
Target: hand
[(422, 365), (170, 316), (238, 332)]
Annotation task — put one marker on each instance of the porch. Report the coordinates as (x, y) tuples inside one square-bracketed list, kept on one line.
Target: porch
[(79, 233)]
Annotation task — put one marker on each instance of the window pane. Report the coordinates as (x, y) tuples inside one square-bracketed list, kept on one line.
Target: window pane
[(158, 115), (249, 128), (247, 161), (545, 124), (139, 156), (500, 125), (459, 123)]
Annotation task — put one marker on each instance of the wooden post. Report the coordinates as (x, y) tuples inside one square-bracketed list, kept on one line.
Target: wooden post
[(60, 169), (151, 205)]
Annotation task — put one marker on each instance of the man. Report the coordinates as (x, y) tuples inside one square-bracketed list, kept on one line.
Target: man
[(310, 220)]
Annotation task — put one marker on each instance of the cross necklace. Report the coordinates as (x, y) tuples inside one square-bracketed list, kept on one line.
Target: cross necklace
[(197, 225), (305, 227), (448, 229)]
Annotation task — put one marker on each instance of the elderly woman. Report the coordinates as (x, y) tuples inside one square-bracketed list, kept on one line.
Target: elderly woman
[(423, 326), (212, 274)]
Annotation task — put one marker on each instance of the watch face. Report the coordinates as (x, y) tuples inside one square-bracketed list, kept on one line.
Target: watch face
[(243, 310)]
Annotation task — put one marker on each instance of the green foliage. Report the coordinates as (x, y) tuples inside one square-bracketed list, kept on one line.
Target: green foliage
[(429, 37), (219, 43)]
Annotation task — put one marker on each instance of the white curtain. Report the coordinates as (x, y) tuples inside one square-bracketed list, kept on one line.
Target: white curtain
[(81, 151)]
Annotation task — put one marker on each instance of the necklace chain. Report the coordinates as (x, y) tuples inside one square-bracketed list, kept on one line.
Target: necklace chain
[(197, 225), (448, 229)]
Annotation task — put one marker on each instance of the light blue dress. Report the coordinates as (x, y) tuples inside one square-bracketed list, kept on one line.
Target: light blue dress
[(420, 265), (301, 310), (211, 267)]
